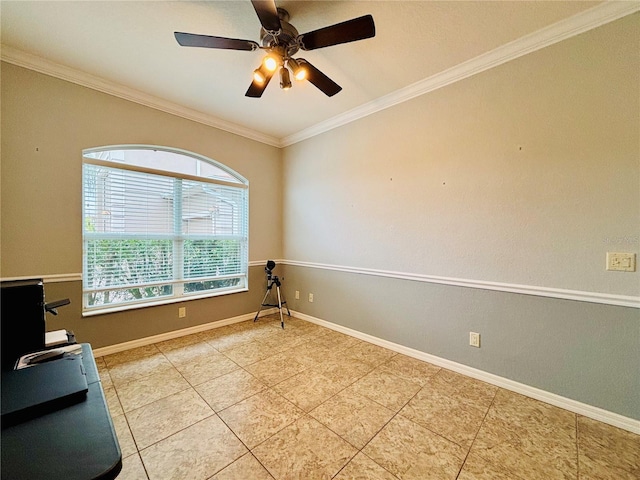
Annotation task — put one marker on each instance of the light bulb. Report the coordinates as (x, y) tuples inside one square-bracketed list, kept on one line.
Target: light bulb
[(270, 62), (299, 71), (258, 76)]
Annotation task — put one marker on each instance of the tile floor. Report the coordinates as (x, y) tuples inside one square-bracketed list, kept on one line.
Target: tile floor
[(251, 401)]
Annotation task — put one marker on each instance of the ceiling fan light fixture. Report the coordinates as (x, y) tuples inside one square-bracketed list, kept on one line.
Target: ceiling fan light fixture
[(285, 79), (259, 76), (271, 62), (299, 71)]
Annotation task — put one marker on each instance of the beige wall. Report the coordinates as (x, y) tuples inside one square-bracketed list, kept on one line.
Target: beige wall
[(525, 174), (46, 123)]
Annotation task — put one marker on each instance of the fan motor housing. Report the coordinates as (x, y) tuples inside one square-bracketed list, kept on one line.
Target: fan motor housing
[(286, 37)]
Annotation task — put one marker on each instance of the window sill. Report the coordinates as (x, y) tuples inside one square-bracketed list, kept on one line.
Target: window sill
[(159, 302)]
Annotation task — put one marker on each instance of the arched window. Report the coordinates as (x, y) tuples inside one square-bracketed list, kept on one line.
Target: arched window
[(160, 225)]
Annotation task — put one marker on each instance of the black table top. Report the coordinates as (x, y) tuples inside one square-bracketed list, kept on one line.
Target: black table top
[(75, 443)]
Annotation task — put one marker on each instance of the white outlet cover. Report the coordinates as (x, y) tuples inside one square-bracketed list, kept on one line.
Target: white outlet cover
[(474, 339), (621, 262)]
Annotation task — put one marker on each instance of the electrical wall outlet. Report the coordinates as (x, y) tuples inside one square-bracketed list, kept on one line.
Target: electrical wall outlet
[(182, 312), (621, 262), (474, 339), (297, 295), (311, 298)]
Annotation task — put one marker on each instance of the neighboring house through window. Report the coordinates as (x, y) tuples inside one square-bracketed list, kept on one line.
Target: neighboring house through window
[(160, 225)]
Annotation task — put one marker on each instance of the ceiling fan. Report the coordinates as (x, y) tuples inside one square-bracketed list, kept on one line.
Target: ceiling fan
[(281, 41)]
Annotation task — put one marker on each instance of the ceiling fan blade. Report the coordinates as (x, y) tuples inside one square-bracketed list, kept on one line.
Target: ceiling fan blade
[(256, 89), (267, 14), (320, 80), (206, 41), (349, 31)]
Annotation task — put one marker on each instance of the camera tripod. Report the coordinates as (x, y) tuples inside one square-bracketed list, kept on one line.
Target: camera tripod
[(271, 281)]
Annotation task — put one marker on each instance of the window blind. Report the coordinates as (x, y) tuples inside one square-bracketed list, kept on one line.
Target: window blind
[(149, 235)]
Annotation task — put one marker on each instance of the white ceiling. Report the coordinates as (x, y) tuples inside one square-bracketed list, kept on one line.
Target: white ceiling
[(130, 46)]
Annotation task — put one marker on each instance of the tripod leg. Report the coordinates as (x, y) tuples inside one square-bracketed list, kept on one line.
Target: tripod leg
[(280, 307), (261, 305)]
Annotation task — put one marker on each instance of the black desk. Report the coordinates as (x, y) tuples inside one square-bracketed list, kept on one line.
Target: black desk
[(75, 443)]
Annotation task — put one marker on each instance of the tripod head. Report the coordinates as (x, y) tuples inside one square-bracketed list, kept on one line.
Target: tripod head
[(271, 278)]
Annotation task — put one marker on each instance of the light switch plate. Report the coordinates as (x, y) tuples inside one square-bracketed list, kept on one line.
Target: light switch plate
[(621, 262)]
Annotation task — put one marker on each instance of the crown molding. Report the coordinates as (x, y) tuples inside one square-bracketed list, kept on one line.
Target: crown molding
[(42, 65), (582, 22)]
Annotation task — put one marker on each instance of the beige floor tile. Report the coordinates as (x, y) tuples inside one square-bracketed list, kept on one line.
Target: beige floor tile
[(311, 353), (529, 438), (304, 449), (454, 418), (113, 402), (354, 417), (245, 468), (307, 391), (258, 417), (188, 353), (233, 337), (477, 468), (218, 332), (272, 320), (181, 342), (282, 340), (103, 372), (410, 369), (309, 328), (275, 369), (132, 469), (410, 451), (143, 391), (342, 370), (254, 331), (197, 452), (229, 389), (248, 353), (387, 389), (606, 452), (336, 341), (464, 388), (158, 420), (370, 353), (125, 439), (202, 369), (130, 355), (181, 437), (538, 417), (362, 467), (128, 371)]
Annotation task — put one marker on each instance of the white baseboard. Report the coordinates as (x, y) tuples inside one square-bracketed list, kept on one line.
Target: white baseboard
[(141, 342), (574, 406)]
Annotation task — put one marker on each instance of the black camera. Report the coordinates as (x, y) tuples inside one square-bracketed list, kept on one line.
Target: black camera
[(271, 278), (270, 266)]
